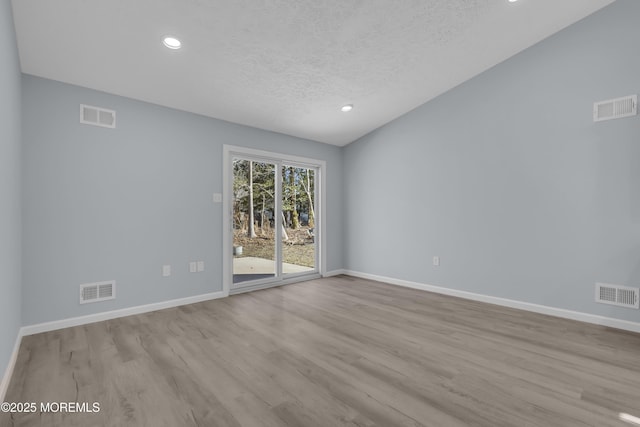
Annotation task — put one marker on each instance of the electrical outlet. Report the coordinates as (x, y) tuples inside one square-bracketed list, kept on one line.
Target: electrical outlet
[(166, 270), (217, 198), (436, 261)]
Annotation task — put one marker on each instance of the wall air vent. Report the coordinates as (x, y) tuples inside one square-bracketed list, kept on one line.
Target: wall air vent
[(97, 116), (100, 291), (615, 108), (617, 295)]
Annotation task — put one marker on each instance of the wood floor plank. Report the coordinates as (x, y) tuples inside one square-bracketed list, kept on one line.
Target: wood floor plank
[(332, 352)]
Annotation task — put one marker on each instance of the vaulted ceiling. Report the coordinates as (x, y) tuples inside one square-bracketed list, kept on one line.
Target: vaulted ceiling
[(283, 65)]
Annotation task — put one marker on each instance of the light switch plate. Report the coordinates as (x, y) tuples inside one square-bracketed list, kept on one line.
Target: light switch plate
[(193, 267), (200, 266), (166, 270)]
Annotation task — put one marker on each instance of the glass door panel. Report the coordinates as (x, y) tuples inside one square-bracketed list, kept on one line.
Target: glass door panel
[(298, 219), (254, 221)]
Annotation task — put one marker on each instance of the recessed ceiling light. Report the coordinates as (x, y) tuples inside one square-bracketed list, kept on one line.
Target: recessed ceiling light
[(172, 42), (512, 1), (346, 108)]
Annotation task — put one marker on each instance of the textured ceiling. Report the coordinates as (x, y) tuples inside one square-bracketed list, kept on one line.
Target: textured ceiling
[(283, 65)]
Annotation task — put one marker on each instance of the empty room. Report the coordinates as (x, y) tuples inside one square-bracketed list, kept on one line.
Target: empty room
[(319, 213)]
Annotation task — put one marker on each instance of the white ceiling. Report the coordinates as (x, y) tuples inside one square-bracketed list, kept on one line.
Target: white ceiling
[(283, 65)]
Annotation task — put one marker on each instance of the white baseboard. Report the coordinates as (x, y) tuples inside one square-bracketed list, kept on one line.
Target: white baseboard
[(535, 308), (108, 315), (334, 273), (8, 373)]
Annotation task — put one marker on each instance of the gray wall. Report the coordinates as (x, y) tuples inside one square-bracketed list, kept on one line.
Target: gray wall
[(10, 162), (508, 179), (102, 204)]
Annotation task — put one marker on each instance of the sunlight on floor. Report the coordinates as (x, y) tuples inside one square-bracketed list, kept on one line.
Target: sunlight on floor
[(629, 419)]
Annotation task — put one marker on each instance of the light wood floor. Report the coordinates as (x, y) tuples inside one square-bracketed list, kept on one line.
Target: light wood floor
[(332, 352)]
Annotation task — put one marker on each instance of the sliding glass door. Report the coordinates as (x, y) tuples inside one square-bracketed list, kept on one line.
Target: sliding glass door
[(274, 220)]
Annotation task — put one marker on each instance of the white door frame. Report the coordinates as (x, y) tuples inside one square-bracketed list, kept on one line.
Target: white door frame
[(229, 151)]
